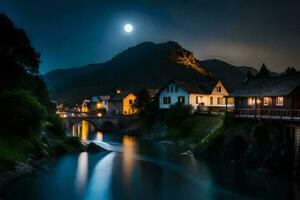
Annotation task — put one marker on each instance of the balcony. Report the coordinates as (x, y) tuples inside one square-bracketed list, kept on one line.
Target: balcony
[(270, 114)]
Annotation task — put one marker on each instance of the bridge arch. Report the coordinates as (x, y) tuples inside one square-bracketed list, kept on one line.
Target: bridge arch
[(108, 126), (107, 123)]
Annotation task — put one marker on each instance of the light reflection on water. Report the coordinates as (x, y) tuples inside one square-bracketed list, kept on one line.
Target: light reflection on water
[(129, 149), (101, 179), (138, 169), (82, 172)]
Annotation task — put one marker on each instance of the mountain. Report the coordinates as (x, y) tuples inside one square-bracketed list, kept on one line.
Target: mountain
[(230, 75), (145, 65), (244, 69)]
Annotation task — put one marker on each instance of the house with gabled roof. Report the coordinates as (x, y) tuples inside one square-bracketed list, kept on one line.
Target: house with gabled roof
[(269, 98), (201, 96), (122, 103)]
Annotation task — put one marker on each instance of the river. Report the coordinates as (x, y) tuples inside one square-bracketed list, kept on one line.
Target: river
[(141, 169)]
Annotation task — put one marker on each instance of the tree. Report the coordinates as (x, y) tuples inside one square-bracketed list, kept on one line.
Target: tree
[(23, 114), (15, 45), (264, 72), (148, 107), (177, 114), (290, 71), (23, 92), (249, 75)]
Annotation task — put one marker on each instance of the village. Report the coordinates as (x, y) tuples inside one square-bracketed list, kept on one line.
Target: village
[(150, 100), (271, 99)]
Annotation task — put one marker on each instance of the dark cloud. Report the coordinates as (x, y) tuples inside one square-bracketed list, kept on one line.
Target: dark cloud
[(75, 32)]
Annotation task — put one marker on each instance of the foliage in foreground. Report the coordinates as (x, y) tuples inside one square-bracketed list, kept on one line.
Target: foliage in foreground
[(23, 113), (29, 126)]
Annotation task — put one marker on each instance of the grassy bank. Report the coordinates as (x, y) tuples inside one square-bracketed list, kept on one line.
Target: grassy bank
[(254, 143)]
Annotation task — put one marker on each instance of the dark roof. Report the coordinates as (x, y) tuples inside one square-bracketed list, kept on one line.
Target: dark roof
[(190, 87), (119, 97), (194, 88), (275, 86)]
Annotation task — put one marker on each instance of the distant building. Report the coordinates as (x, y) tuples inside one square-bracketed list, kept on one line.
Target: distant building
[(201, 96), (99, 103), (85, 107), (122, 103)]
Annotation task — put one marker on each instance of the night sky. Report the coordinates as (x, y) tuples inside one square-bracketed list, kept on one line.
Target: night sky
[(71, 33)]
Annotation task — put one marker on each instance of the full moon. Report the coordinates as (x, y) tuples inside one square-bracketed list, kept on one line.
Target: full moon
[(128, 28)]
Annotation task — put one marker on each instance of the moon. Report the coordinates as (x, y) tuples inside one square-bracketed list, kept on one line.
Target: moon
[(128, 28)]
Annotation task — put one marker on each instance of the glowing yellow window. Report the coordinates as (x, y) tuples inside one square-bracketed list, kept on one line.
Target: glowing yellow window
[(279, 101), (266, 101), (99, 105), (251, 101)]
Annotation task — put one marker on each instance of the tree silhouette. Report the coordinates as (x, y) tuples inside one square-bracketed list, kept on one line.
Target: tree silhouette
[(22, 90), (15, 45), (290, 71), (264, 72), (249, 75)]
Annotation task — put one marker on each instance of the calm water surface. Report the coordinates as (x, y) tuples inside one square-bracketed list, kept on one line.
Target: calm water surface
[(139, 169)]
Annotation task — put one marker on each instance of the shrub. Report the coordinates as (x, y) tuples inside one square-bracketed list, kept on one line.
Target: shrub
[(55, 126), (22, 113), (212, 145), (177, 113)]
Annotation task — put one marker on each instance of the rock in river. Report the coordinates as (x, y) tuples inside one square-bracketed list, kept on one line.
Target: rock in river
[(94, 148)]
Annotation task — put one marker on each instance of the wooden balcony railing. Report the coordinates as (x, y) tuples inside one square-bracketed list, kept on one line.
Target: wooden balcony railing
[(277, 114)]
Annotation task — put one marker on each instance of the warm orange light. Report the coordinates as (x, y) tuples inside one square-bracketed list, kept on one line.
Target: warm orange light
[(99, 105), (266, 101), (129, 147), (118, 91), (99, 114), (84, 130), (85, 109), (99, 136)]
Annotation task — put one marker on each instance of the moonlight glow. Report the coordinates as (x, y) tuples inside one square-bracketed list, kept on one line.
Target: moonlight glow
[(128, 28)]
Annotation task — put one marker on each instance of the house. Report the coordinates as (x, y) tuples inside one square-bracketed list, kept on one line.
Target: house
[(270, 98), (99, 104), (275, 99), (201, 96), (122, 103), (85, 107)]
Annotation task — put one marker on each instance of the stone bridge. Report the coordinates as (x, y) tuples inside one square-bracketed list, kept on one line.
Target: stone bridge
[(105, 123)]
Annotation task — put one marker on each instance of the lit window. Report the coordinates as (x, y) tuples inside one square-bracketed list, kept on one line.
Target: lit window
[(266, 101), (219, 100), (279, 101), (99, 105), (258, 101), (251, 101), (199, 99)]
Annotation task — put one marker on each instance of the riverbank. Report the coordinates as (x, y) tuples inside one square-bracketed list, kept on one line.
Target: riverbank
[(254, 144), (21, 157)]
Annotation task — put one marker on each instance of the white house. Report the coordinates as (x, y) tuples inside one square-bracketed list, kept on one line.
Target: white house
[(200, 96)]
